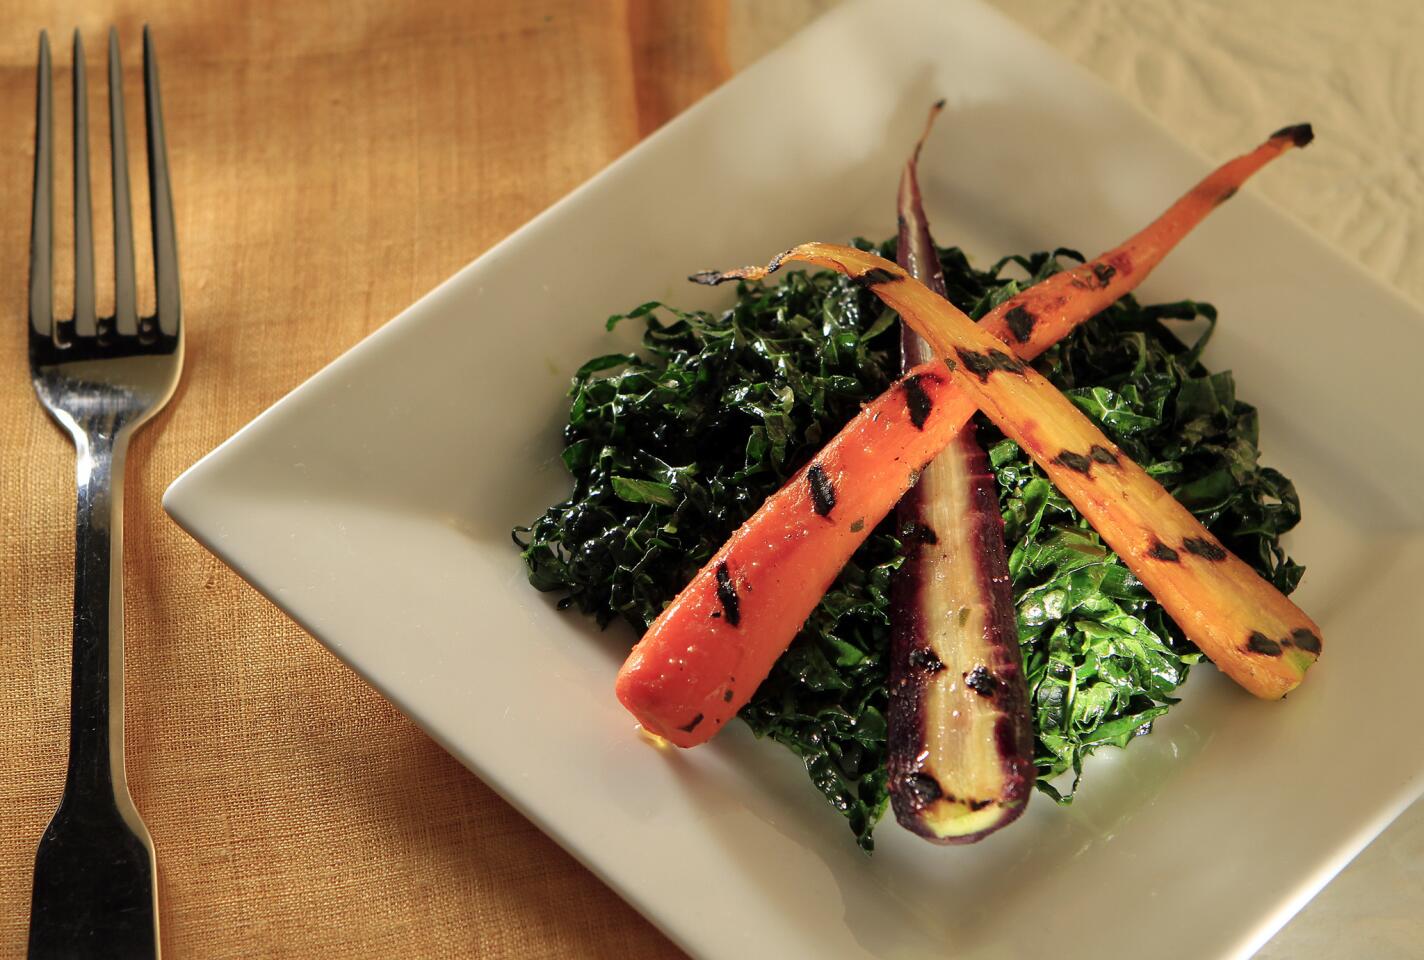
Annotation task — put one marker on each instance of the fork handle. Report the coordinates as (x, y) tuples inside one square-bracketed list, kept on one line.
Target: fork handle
[(95, 890), (96, 704)]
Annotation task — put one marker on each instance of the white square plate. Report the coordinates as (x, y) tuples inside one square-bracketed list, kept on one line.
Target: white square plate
[(374, 505)]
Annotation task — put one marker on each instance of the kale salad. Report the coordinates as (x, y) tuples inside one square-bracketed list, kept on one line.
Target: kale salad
[(674, 447)]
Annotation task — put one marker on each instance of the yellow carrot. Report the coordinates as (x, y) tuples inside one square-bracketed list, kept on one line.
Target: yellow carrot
[(1247, 627)]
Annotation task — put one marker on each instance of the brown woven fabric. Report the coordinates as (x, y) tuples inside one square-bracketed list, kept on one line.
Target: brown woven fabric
[(331, 164)]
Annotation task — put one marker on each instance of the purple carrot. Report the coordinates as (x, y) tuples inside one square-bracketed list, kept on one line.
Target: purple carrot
[(960, 736)]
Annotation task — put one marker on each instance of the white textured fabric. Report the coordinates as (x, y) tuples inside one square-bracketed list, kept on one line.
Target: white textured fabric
[(1215, 71)]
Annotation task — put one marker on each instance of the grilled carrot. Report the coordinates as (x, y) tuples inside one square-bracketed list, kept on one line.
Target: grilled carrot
[(704, 656), (959, 734), (1242, 623)]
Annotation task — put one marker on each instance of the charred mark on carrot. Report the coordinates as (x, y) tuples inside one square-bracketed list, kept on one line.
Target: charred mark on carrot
[(1074, 461), (1020, 323), (976, 363), (1305, 640), (1121, 262), (983, 364), (918, 401), (857, 525), (1201, 547), (688, 728), (923, 658), (922, 789), (1104, 272), (1160, 551), (727, 594), (1299, 134), (1102, 454), (823, 492), (1007, 362), (981, 682), (1262, 644), (877, 276)]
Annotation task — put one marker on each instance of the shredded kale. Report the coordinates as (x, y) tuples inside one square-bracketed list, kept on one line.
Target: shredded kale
[(672, 448)]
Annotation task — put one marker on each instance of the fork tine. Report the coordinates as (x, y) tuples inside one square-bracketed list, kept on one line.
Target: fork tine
[(42, 216), (160, 199), (83, 207), (125, 299)]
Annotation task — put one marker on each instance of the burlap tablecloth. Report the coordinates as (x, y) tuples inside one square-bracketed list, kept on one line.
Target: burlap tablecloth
[(331, 163)]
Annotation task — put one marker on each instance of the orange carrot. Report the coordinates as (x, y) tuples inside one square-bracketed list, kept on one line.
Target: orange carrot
[(705, 655), (1242, 623)]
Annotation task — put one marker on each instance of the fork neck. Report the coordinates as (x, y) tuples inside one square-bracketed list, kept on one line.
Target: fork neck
[(96, 748)]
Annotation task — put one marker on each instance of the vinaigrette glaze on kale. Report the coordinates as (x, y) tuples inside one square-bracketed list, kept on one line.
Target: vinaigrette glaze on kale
[(671, 449)]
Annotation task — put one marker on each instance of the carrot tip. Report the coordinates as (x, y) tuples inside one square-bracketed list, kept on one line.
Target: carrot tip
[(713, 277), (1300, 134)]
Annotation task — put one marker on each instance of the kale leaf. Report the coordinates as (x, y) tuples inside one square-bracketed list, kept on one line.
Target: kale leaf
[(672, 448)]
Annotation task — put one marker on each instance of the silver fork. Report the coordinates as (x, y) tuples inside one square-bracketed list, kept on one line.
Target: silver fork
[(95, 892)]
